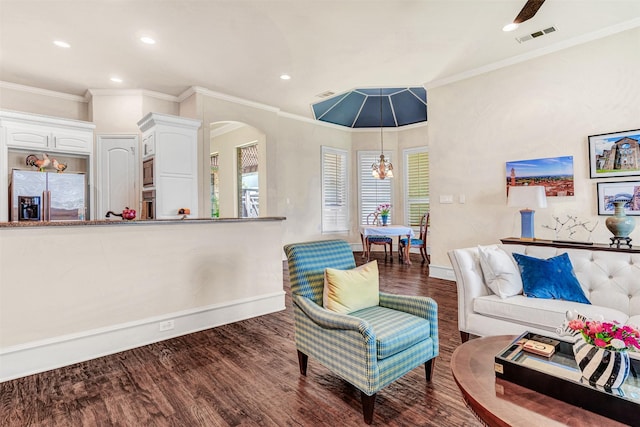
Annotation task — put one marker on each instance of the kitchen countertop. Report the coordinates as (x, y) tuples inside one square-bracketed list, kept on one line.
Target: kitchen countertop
[(119, 222)]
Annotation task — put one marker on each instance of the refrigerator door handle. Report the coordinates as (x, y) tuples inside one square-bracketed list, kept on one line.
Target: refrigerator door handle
[(46, 205)]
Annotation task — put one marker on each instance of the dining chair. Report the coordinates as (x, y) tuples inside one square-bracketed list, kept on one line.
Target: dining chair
[(420, 242), (373, 219), (370, 347)]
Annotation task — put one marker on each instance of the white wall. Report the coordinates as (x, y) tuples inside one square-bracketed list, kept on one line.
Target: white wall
[(545, 107), (38, 101), (299, 177), (119, 111), (71, 293)]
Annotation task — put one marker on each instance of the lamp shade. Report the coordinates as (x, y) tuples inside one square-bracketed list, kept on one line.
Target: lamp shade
[(527, 196)]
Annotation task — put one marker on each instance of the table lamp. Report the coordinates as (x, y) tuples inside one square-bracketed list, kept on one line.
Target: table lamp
[(527, 197)]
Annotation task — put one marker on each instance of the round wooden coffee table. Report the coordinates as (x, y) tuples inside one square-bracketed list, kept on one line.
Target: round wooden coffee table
[(501, 403)]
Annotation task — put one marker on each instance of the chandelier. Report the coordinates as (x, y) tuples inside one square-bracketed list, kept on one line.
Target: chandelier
[(382, 168)]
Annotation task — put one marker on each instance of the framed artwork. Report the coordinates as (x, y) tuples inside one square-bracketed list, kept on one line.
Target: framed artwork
[(614, 154), (608, 192), (554, 173)]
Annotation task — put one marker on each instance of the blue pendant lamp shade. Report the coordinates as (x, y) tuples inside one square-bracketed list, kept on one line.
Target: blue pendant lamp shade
[(527, 197)]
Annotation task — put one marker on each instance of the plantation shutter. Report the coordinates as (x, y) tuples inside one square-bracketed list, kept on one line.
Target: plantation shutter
[(373, 191), (417, 185), (335, 195)]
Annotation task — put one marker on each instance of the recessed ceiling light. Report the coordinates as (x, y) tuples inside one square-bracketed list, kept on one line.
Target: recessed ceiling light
[(61, 43), (285, 77), (147, 40), (116, 79), (510, 27)]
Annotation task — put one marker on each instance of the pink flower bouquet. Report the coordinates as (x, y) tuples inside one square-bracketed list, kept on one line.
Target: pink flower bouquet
[(384, 209), (611, 336)]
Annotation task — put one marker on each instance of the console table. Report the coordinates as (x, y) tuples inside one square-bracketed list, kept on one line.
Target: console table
[(567, 245), (501, 403)]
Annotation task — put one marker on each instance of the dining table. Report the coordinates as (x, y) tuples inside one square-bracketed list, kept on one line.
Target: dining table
[(391, 231)]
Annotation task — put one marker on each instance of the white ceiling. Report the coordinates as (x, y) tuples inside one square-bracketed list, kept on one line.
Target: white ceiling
[(241, 47)]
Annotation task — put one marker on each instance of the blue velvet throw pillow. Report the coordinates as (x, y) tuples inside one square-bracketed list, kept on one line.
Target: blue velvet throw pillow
[(551, 278)]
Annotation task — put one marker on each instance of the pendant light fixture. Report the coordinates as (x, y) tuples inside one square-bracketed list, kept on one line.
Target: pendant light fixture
[(383, 168)]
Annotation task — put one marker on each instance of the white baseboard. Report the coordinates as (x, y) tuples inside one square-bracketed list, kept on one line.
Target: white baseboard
[(439, 272), (39, 356)]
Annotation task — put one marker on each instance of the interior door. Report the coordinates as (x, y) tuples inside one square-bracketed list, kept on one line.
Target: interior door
[(118, 176)]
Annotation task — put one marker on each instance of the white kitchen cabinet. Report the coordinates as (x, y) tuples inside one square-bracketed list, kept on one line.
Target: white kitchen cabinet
[(27, 136), (50, 134), (171, 142), (37, 134)]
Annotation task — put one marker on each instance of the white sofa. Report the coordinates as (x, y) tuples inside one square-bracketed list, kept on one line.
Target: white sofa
[(610, 280)]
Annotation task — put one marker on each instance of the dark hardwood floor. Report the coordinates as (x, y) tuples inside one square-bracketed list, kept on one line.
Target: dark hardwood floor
[(243, 374)]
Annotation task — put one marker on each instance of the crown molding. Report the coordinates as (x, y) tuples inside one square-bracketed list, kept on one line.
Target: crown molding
[(313, 121), (585, 38), (224, 97), (44, 92), (129, 92)]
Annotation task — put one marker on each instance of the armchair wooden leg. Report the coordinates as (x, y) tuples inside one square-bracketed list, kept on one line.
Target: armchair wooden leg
[(368, 403), (464, 336), (428, 368), (302, 361)]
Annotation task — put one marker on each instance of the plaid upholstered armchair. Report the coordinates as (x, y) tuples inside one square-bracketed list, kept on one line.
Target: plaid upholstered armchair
[(369, 348)]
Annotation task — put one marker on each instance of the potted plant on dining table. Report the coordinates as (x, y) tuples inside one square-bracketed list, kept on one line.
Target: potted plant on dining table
[(383, 212)]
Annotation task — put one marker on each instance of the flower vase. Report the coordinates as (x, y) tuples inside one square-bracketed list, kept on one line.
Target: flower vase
[(601, 367), (385, 218), (620, 224)]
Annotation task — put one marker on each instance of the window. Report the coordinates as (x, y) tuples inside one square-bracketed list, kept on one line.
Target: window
[(416, 166), (373, 191), (214, 187), (248, 181), (335, 191)]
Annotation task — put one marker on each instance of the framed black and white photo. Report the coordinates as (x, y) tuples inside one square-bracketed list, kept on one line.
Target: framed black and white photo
[(615, 154), (608, 192)]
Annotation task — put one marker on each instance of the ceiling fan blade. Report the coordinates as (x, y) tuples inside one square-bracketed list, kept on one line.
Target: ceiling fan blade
[(528, 11)]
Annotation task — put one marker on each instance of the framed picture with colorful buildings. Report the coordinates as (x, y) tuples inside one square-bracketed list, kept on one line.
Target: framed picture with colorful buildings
[(554, 173), (614, 154), (623, 191)]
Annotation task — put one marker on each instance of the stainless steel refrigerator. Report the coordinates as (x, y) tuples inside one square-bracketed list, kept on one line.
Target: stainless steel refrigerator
[(48, 196)]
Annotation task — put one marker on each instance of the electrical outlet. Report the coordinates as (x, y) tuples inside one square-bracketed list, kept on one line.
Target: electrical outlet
[(166, 325)]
